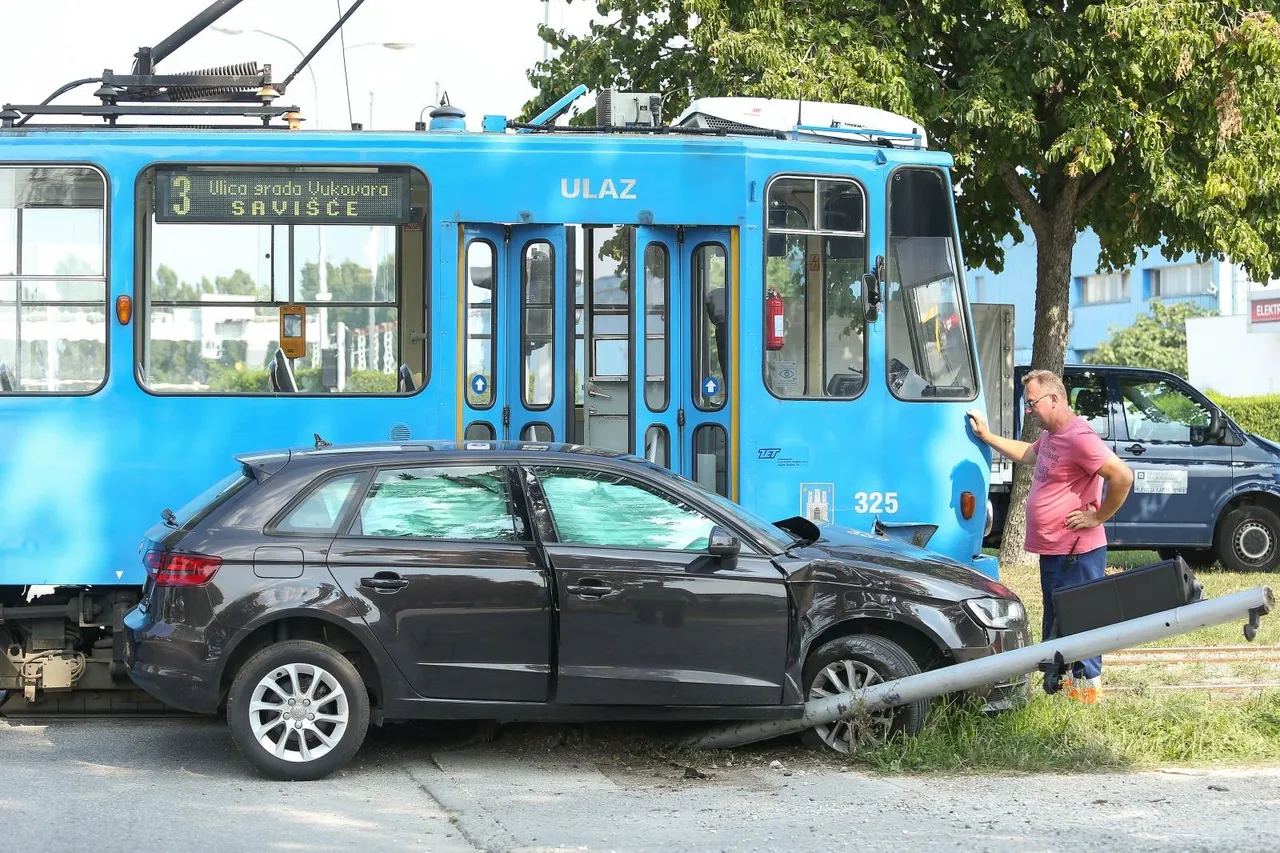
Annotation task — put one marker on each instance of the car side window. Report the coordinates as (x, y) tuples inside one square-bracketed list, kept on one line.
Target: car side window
[(471, 502), (1157, 410), (1087, 396), (609, 510), (319, 511)]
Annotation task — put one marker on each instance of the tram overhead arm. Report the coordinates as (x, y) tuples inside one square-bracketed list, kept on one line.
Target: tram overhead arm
[(551, 112)]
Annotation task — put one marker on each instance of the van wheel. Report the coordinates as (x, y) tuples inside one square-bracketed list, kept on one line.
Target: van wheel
[(854, 662), (1248, 540), (298, 710)]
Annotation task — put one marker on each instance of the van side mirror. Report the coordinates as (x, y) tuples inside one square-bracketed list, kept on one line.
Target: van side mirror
[(1217, 426), (723, 544)]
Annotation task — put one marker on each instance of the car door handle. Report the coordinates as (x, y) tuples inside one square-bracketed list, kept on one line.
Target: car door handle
[(590, 588), (1136, 449), (384, 582)]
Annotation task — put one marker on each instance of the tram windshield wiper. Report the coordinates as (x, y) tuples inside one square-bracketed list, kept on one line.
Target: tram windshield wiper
[(168, 517)]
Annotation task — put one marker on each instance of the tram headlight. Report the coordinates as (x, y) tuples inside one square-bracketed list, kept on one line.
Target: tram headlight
[(999, 613)]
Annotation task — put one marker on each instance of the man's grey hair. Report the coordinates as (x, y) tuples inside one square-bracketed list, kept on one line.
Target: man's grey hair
[(1047, 380)]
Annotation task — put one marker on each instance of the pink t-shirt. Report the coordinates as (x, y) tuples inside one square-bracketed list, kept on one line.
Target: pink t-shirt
[(1066, 479)]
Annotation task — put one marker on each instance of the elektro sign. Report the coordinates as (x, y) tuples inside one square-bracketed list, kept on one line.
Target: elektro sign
[(279, 198)]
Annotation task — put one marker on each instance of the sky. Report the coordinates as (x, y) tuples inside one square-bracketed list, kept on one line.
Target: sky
[(478, 51)]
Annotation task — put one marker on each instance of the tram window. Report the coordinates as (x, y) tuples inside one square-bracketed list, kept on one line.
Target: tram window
[(214, 285), (539, 325), (480, 320), (928, 339), (710, 327), (479, 431), (816, 254), (657, 275), (537, 431), (610, 302), (53, 286), (657, 445), (711, 458)]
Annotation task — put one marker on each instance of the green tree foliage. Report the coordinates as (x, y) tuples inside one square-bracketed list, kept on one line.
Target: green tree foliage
[(1157, 340), (1152, 123)]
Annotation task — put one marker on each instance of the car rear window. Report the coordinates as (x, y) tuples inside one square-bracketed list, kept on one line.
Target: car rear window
[(211, 498)]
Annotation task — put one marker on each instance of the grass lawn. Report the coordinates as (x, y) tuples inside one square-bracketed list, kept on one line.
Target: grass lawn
[(1141, 722)]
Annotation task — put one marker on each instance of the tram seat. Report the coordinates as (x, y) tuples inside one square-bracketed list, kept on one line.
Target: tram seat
[(280, 376), (844, 384), (6, 378), (405, 384)]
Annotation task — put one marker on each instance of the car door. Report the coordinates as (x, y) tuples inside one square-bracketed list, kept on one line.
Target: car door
[(441, 559), (1180, 472), (646, 615)]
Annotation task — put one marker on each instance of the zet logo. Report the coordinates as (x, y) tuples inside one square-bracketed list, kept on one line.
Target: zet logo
[(768, 452)]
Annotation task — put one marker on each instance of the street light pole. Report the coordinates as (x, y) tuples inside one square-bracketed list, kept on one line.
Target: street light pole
[(389, 45)]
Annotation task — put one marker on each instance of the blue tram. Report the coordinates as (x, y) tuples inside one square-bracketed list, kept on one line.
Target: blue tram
[(774, 309)]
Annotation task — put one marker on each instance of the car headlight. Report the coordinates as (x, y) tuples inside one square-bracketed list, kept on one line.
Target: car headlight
[(999, 613)]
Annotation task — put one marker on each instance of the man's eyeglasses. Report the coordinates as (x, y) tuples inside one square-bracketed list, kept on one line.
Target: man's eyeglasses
[(1031, 404)]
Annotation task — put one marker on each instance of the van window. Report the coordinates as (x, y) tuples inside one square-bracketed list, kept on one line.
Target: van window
[(1157, 410)]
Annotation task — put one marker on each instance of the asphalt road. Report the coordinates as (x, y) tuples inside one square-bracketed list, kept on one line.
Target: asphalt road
[(169, 785)]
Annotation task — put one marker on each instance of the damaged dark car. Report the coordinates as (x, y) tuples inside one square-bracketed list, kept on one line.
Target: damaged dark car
[(313, 592)]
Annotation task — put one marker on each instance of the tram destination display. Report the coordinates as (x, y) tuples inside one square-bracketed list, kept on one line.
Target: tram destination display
[(292, 198)]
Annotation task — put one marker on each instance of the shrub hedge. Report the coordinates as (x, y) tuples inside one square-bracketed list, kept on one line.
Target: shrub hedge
[(1260, 415)]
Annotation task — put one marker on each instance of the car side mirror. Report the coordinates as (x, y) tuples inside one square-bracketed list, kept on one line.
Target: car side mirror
[(723, 544)]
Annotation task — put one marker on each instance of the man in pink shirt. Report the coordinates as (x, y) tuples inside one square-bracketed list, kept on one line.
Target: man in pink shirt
[(1066, 510)]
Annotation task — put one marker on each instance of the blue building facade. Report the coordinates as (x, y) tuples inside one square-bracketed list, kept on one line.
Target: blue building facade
[(1101, 302)]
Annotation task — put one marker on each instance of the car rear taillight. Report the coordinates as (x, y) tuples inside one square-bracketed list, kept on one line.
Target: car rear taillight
[(169, 568)]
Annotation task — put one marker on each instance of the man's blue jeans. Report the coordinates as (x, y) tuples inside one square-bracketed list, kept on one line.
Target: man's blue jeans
[(1059, 570)]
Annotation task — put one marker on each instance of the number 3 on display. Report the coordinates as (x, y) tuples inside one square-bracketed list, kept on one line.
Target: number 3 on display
[(875, 502), (182, 187)]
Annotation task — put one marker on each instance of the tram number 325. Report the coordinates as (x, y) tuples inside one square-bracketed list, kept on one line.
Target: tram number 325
[(875, 502)]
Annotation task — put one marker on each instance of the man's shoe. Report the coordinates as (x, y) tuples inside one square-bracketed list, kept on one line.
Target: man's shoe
[(1087, 691)]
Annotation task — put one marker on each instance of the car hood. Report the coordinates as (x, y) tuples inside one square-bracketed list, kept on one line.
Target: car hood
[(846, 556)]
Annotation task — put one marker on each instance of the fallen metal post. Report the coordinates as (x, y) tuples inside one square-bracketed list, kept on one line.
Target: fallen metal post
[(1247, 604)]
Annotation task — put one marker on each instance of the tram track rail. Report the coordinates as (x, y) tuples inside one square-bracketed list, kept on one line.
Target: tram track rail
[(136, 704)]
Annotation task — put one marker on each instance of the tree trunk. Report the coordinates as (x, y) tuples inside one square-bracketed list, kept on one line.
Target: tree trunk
[(1054, 242)]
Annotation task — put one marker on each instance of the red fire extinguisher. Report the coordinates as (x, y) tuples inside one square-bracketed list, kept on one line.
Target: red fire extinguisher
[(773, 336)]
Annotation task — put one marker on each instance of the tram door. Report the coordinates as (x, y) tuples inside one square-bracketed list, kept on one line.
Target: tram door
[(514, 349), (682, 313)]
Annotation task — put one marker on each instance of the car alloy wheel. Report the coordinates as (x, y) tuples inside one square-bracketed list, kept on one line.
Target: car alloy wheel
[(864, 730), (852, 663), (299, 712)]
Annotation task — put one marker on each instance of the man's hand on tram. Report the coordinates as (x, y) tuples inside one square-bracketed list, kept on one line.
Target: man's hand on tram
[(978, 423)]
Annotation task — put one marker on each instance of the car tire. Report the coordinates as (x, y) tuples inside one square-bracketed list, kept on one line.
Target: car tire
[(863, 658), (1248, 539), (322, 728)]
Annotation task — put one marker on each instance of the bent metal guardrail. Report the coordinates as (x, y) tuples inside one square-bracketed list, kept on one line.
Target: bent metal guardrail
[(1250, 604)]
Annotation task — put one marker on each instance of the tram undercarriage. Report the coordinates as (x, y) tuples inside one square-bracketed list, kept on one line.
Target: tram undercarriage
[(63, 652)]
